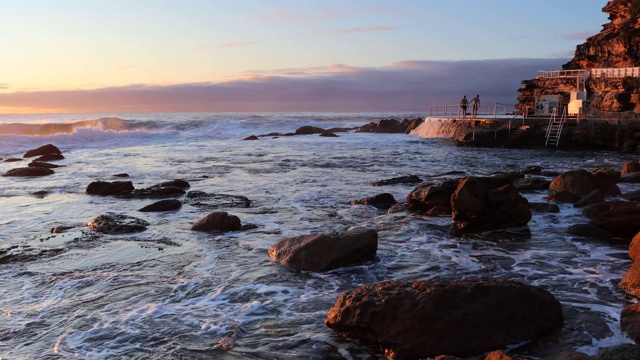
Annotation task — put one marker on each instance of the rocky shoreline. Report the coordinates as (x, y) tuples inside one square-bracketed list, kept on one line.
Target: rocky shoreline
[(462, 318)]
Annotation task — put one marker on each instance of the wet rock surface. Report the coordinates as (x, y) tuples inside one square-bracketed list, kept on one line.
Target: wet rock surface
[(217, 221), (214, 201), (105, 188), (114, 224), (29, 172)]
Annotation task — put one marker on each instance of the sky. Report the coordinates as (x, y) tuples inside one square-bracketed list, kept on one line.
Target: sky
[(80, 56)]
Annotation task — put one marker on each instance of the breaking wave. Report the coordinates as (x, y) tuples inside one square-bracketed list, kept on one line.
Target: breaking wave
[(102, 124)]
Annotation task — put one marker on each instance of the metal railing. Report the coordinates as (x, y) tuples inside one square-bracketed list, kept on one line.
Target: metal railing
[(615, 72), (449, 110), (564, 73), (507, 125)]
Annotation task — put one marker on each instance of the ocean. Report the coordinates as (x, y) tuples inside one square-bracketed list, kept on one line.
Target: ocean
[(173, 293)]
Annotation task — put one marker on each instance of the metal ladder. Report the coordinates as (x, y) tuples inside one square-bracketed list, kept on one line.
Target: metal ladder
[(554, 131)]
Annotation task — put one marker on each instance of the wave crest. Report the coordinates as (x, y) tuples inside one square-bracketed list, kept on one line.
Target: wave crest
[(102, 124)]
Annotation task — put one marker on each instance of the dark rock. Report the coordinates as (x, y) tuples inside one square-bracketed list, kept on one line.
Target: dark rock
[(401, 207), (14, 254), (633, 178), (162, 205), (620, 352), (41, 193), (214, 201), (502, 355), (563, 197), (153, 193), (60, 229), (105, 188), (592, 211), (630, 167), (381, 201), (606, 175), (591, 198), (384, 126), (408, 179), (570, 355), (427, 195), (13, 159), (179, 183), (478, 207), (623, 222), (308, 130), (413, 125), (439, 210), (532, 170), (531, 183), (42, 150), (460, 318), (123, 175), (544, 207), (217, 221), (610, 189), (50, 157), (252, 137), (328, 134), (43, 165), (634, 247), (578, 182), (324, 252), (114, 224), (630, 321), (29, 171), (632, 196), (589, 231)]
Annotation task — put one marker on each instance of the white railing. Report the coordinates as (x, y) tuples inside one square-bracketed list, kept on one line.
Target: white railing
[(449, 110), (564, 73), (615, 72)]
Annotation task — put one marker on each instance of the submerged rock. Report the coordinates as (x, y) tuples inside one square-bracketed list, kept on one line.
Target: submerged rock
[(43, 150), (153, 193), (162, 205), (252, 137), (544, 207), (13, 159), (428, 196), (29, 172), (308, 130), (577, 182), (114, 224), (381, 201), (217, 221), (105, 188), (179, 183), (460, 318), (214, 201), (50, 157), (43, 165), (408, 179), (17, 253), (622, 222), (324, 252)]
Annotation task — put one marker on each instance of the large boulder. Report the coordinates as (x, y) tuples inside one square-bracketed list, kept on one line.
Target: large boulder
[(384, 126), (42, 150), (213, 201), (630, 321), (578, 182), (531, 183), (49, 157), (308, 130), (217, 221), (460, 318), (428, 196), (179, 183), (631, 280), (105, 188), (324, 252), (381, 201), (594, 210), (634, 247), (114, 224), (478, 207), (29, 172)]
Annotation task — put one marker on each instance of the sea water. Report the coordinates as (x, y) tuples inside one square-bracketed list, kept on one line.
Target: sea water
[(172, 293)]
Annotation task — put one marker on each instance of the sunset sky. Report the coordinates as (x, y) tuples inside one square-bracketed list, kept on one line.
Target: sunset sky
[(279, 55)]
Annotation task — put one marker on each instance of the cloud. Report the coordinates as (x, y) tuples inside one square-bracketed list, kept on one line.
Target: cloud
[(578, 36), (568, 53), (357, 30), (402, 86), (4, 86)]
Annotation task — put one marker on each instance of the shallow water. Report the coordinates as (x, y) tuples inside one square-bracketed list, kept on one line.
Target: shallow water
[(171, 293)]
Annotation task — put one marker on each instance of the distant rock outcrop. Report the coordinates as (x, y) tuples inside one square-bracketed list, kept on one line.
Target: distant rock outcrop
[(616, 46)]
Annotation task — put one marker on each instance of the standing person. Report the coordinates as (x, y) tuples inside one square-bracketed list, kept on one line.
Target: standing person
[(463, 105), (476, 104)]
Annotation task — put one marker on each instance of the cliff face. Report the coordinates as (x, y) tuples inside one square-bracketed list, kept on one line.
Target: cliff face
[(617, 45)]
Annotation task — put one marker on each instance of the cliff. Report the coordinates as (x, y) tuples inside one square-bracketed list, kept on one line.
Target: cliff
[(616, 46)]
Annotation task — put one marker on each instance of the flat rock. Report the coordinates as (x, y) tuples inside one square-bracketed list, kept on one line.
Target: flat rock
[(29, 172), (162, 205), (215, 201), (381, 201), (43, 165), (50, 157), (408, 179), (105, 188), (630, 321), (544, 207), (153, 193)]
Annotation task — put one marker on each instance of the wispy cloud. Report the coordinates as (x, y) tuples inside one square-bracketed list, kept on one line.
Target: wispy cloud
[(4, 86), (280, 16), (403, 86), (578, 36), (568, 53), (357, 30)]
